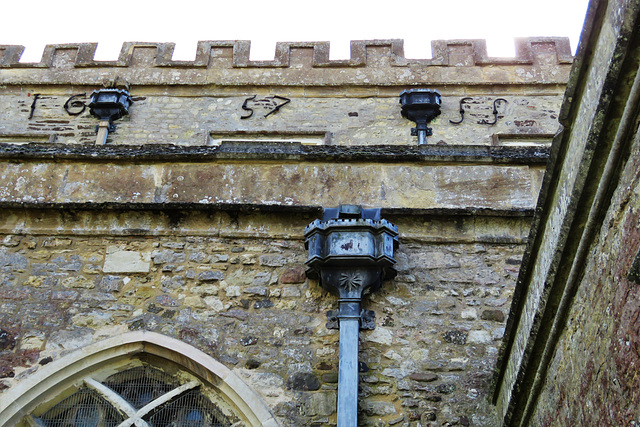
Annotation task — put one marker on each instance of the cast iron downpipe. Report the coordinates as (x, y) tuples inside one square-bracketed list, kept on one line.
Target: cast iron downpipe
[(350, 251)]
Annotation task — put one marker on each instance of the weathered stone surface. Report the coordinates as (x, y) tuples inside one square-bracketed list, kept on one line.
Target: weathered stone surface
[(423, 377), (379, 408), (323, 403), (495, 315), (7, 340), (429, 416), (290, 292), (479, 337), (408, 353), (188, 232), (167, 301), (469, 314), (125, 262), (78, 282), (256, 290), (262, 279), (265, 303), (293, 275), (445, 388), (456, 337), (210, 276), (236, 314), (111, 283), (167, 256), (246, 341), (12, 261), (438, 187), (69, 340), (380, 335), (331, 377), (272, 260), (303, 381)]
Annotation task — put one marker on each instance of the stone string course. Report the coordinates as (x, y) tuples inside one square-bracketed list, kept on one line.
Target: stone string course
[(247, 303)]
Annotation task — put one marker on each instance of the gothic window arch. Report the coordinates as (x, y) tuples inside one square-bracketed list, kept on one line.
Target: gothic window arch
[(139, 395), (135, 379)]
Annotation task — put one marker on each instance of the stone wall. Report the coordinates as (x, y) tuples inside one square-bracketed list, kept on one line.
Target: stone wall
[(351, 102), (343, 118), (569, 356), (247, 303), (598, 354), (190, 221)]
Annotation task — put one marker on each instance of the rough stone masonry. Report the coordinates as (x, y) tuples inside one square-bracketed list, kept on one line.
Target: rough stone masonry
[(189, 221)]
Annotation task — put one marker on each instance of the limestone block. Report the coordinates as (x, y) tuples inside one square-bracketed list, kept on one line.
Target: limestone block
[(479, 337), (380, 335), (94, 319), (78, 282), (323, 403), (481, 186), (380, 408), (194, 301), (126, 262), (32, 340), (290, 292), (214, 303), (69, 340), (469, 314), (233, 291)]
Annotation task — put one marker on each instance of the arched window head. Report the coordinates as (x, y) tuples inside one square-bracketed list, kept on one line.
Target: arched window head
[(142, 396), (139, 378)]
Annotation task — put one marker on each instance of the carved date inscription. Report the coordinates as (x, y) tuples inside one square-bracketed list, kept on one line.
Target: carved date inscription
[(272, 104)]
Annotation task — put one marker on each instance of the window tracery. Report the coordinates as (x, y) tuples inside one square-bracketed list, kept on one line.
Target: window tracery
[(142, 396)]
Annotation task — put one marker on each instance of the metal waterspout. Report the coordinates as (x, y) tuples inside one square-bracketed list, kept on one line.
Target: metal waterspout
[(350, 250)]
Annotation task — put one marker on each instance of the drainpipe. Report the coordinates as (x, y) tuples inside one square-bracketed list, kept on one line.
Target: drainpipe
[(350, 251)]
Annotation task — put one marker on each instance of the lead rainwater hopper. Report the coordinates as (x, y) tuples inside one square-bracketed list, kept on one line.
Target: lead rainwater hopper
[(108, 105), (420, 106), (350, 250)]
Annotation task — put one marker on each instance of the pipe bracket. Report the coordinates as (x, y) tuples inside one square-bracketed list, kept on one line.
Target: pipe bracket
[(367, 320)]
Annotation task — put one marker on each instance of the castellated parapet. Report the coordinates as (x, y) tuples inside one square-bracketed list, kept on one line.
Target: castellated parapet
[(538, 60), (354, 102)]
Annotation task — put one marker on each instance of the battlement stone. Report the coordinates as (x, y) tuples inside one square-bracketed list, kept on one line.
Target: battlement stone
[(540, 60), (235, 54)]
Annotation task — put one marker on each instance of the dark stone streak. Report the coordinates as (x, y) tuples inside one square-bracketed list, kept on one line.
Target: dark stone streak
[(279, 152)]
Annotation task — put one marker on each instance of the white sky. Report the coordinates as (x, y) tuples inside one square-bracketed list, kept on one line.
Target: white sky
[(35, 23)]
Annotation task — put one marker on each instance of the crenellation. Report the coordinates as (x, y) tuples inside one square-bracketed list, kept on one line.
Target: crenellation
[(54, 55), (541, 50), (226, 64), (10, 55), (458, 53), (236, 54)]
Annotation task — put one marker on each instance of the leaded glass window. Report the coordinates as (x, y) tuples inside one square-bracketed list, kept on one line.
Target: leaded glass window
[(142, 396)]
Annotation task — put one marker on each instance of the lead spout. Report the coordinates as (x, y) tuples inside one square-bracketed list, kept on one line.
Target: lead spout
[(350, 250)]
